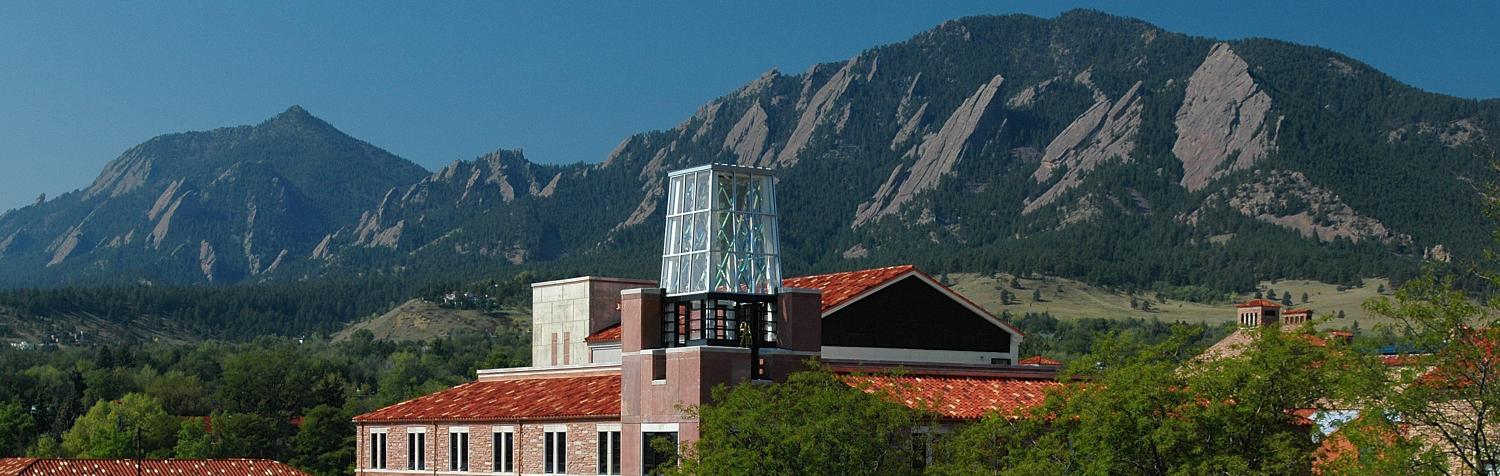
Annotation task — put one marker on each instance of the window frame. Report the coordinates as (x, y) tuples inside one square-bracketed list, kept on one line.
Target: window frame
[(502, 443), (378, 448), (458, 448), (650, 459), (416, 449), (607, 449), (555, 449)]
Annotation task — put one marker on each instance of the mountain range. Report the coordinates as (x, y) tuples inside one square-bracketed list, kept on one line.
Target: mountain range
[(1090, 146)]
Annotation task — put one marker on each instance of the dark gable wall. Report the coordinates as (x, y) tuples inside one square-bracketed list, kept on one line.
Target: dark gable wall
[(910, 314)]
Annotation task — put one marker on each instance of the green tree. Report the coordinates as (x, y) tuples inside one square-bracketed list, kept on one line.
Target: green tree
[(324, 444), (1036, 295), (1446, 403), (1304, 297), (110, 429), (1157, 410), (180, 394), (15, 427), (235, 435), (193, 440), (813, 423)]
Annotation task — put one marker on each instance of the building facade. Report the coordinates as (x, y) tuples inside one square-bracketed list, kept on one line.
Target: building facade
[(599, 414), (615, 362)]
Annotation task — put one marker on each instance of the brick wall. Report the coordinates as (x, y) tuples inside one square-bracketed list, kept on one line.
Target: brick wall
[(582, 447)]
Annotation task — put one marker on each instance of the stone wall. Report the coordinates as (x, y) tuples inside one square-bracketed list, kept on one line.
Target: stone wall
[(581, 446)]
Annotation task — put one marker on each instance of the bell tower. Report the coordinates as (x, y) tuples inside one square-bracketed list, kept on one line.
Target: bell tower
[(721, 315)]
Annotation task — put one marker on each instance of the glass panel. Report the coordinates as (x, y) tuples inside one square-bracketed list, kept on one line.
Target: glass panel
[(689, 191), (603, 453), (669, 272), (674, 196), (704, 196), (699, 271), (684, 236), (741, 192), (700, 231), (723, 191), (723, 231), (614, 453), (688, 283)]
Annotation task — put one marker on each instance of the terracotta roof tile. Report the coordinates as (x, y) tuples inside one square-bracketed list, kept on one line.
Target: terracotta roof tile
[(840, 287), (956, 397), (127, 467), (609, 334), (1259, 302), (511, 400), (1040, 360), (1298, 310)]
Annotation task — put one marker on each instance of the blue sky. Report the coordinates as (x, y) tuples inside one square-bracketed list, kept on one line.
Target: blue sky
[(437, 82)]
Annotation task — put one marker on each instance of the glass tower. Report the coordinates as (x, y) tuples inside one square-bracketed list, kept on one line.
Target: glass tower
[(721, 234)]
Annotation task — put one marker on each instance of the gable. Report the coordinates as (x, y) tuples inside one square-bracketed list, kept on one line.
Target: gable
[(910, 313)]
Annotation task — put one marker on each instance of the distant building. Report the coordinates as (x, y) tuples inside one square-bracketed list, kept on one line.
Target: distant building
[(1259, 312), (614, 360), (132, 467), (1296, 317)]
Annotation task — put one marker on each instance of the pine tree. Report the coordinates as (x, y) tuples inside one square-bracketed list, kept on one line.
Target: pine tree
[(1341, 313), (1036, 295), (1286, 298), (1304, 298)]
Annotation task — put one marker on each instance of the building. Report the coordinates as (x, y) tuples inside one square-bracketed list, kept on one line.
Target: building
[(1296, 317), (1258, 312), (132, 467), (616, 360)]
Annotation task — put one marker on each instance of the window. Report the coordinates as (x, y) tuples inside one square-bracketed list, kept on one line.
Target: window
[(377, 449), (458, 449), (555, 451), (659, 449), (416, 448), (921, 453), (505, 450), (659, 365), (609, 451)]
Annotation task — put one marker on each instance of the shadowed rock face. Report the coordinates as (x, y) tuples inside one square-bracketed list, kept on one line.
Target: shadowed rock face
[(936, 155), (1105, 131), (1223, 124)]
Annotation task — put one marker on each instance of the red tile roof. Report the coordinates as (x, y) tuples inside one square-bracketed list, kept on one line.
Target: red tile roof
[(1260, 303), (127, 467), (1299, 310), (1040, 360), (609, 334), (511, 400), (958, 397), (840, 287)]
